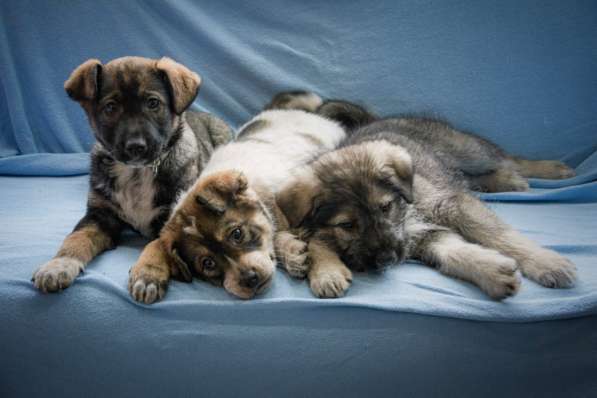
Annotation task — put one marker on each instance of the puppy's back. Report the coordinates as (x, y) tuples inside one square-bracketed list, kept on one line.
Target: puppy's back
[(274, 142)]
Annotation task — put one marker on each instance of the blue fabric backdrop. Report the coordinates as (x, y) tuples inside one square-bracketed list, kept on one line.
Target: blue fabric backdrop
[(523, 74), (520, 73)]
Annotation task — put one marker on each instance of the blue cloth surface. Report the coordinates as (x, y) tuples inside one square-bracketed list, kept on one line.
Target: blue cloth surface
[(408, 331), (520, 74)]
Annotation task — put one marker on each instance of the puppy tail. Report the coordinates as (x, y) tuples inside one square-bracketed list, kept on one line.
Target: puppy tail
[(349, 115), (301, 100)]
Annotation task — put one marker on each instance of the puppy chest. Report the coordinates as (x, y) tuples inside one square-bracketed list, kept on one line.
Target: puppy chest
[(134, 194)]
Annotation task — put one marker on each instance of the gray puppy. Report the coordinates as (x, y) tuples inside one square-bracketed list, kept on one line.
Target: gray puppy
[(399, 189), (149, 149)]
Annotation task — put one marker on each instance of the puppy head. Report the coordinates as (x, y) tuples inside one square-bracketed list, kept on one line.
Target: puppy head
[(134, 104), (222, 233), (355, 199)]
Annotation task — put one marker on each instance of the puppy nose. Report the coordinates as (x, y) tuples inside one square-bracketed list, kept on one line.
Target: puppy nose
[(250, 279), (384, 259), (136, 148)]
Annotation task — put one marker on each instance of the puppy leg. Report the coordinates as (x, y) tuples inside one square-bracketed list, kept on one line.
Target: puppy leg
[(544, 169), (148, 278), (292, 254), (470, 218), (97, 231), (501, 180), (491, 271), (329, 277)]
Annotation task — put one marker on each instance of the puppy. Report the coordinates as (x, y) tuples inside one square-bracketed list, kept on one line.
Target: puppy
[(148, 150), (227, 228), (399, 189)]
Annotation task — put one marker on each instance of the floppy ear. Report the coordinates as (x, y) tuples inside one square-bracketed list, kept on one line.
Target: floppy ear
[(298, 200), (83, 83), (400, 165), (183, 83), (221, 189), (171, 233)]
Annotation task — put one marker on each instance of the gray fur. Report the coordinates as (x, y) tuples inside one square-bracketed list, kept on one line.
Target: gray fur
[(445, 226)]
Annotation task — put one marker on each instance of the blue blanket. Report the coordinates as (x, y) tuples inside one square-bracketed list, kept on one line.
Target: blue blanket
[(520, 74)]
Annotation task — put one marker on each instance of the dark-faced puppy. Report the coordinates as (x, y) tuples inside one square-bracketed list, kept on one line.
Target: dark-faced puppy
[(148, 150), (134, 104), (355, 193), (385, 196)]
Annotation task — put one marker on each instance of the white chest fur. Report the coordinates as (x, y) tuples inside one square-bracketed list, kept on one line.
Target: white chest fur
[(134, 194)]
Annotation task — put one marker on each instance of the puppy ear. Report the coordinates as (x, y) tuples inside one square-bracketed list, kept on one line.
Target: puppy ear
[(299, 199), (220, 190), (401, 173), (183, 83), (83, 83), (171, 234)]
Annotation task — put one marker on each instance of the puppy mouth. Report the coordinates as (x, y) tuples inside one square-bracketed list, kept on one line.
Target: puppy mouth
[(248, 293)]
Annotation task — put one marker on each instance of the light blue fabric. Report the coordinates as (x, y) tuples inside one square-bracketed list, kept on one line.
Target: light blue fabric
[(521, 74), (406, 331)]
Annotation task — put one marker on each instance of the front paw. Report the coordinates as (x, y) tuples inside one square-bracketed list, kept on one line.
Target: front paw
[(549, 269), (292, 253), (500, 280), (147, 284), (560, 171), (57, 274), (516, 183), (555, 170), (330, 283)]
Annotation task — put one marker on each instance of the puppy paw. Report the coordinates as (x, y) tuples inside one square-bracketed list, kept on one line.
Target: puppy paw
[(292, 253), (331, 283), (147, 284), (57, 274), (500, 279), (558, 170), (549, 269), (516, 183), (552, 169)]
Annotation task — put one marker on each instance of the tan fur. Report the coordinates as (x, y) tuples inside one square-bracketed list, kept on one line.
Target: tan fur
[(501, 180), (296, 200), (329, 277), (476, 223), (84, 244), (292, 252), (493, 272), (148, 279), (80, 86), (77, 250), (184, 82), (544, 169)]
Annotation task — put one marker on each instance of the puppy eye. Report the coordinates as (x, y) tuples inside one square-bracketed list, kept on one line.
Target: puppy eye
[(109, 108), (236, 235), (153, 103), (386, 207), (208, 264), (345, 225)]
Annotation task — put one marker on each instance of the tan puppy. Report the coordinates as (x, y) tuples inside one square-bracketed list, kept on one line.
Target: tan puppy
[(227, 229)]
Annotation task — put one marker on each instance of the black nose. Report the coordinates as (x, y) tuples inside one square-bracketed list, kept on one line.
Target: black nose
[(250, 279), (384, 259), (136, 148)]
